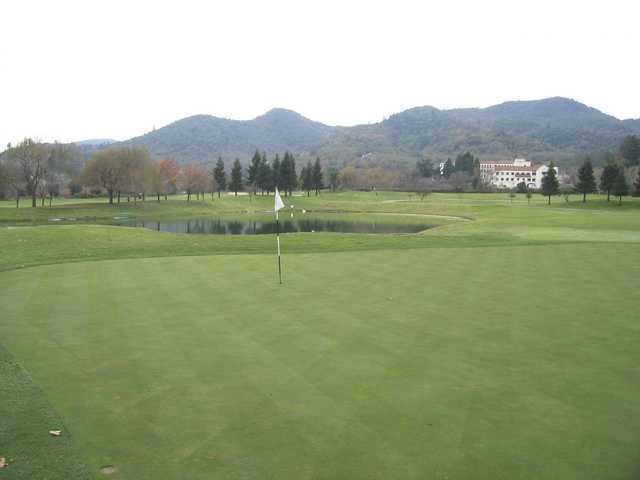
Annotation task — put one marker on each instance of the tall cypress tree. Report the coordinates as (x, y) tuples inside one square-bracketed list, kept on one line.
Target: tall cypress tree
[(293, 176), (608, 178), (620, 187), (265, 175), (316, 175), (284, 173), (306, 178), (465, 163), (236, 177), (220, 176), (275, 169), (550, 184), (254, 168), (586, 179), (288, 175)]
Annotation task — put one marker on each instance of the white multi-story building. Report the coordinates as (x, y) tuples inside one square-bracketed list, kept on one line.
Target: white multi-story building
[(508, 174), (487, 166)]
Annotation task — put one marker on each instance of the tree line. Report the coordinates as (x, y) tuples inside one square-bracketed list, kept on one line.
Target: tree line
[(41, 171), (37, 170), (131, 172), (613, 180)]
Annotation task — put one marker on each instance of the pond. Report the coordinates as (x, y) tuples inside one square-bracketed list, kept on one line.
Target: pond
[(236, 226)]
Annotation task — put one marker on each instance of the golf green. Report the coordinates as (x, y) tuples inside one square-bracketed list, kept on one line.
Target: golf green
[(491, 362)]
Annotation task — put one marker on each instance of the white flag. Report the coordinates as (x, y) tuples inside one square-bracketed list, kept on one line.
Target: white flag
[(279, 203)]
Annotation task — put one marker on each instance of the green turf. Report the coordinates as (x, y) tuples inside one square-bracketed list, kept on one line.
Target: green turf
[(26, 419), (397, 356)]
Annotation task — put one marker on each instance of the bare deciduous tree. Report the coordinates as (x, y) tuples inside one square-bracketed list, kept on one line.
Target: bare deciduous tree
[(29, 159)]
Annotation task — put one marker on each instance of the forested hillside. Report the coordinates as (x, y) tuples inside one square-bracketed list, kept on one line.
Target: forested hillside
[(202, 138), (554, 127)]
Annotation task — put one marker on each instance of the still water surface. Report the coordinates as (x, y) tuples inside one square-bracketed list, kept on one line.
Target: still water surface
[(229, 226)]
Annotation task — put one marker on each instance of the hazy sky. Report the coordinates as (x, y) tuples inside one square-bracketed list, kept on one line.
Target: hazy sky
[(73, 70)]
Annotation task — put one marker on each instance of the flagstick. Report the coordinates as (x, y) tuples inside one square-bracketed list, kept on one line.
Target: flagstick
[(278, 242)]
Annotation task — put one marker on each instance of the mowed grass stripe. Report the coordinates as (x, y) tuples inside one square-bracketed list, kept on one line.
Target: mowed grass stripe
[(25, 443), (439, 362)]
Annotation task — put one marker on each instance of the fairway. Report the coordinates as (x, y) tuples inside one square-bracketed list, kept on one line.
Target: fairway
[(482, 349)]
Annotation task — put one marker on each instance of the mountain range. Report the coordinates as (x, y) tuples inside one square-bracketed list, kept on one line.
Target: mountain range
[(557, 127)]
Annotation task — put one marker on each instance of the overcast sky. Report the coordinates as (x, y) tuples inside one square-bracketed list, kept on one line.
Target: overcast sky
[(73, 70)]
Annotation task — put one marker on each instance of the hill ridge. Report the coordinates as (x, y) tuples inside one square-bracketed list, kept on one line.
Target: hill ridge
[(550, 127)]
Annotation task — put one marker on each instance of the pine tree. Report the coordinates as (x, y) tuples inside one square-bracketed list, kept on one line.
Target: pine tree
[(316, 175), (219, 176), (288, 175), (303, 179), (447, 169), (608, 178), (254, 168), (284, 173), (292, 175), (265, 175), (636, 192), (465, 163), (275, 172), (236, 177), (306, 178), (550, 184), (620, 186), (586, 179)]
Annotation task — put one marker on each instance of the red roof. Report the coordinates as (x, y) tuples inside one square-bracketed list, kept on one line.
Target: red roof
[(512, 168)]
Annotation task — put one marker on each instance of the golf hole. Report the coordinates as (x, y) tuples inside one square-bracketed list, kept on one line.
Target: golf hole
[(107, 470)]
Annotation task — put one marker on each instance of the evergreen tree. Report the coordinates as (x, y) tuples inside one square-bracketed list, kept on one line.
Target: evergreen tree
[(550, 184), (288, 175), (236, 177), (254, 168), (316, 176), (265, 175), (306, 178), (275, 172), (302, 181), (620, 187), (447, 169), (586, 179), (608, 178), (284, 173), (292, 175), (466, 163), (219, 176), (636, 185), (630, 150)]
